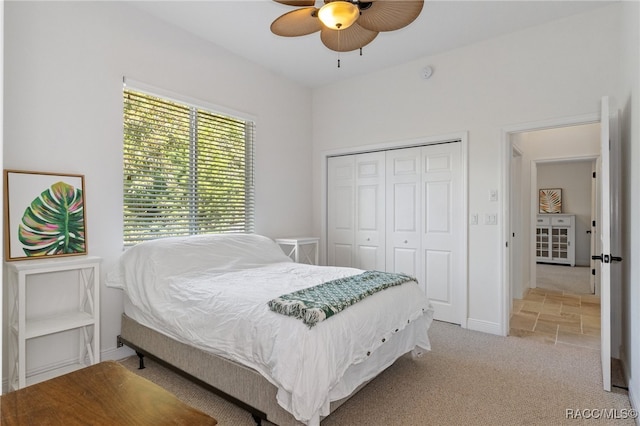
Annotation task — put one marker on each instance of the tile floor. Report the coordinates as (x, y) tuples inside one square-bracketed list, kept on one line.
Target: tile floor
[(556, 317)]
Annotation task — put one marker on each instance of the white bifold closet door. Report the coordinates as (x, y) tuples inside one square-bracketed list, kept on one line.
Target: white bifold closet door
[(425, 222), (401, 211), (356, 211)]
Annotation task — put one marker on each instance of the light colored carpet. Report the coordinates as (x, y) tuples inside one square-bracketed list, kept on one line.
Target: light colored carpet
[(469, 378), (570, 279)]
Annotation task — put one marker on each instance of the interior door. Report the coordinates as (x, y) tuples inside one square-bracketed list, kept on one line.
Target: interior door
[(594, 240), (608, 191)]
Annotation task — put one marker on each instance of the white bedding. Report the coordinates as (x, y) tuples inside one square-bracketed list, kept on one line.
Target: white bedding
[(212, 292)]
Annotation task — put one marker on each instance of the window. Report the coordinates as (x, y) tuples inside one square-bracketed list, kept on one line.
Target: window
[(187, 170)]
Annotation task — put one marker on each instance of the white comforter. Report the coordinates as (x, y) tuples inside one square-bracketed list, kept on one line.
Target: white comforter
[(217, 301)]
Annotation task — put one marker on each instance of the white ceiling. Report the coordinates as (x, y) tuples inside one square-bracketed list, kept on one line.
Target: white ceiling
[(242, 27)]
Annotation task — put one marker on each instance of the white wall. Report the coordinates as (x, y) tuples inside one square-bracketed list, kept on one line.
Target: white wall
[(1, 191), (555, 70), (629, 103), (63, 113)]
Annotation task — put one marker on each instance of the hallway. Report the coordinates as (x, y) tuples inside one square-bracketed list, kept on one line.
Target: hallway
[(557, 317)]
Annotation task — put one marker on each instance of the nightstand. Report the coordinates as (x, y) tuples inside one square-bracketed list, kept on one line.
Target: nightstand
[(79, 279), (301, 249)]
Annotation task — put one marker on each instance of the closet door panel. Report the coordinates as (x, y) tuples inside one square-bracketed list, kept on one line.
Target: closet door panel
[(340, 211), (403, 212), (405, 207), (370, 211), (405, 260), (438, 279), (342, 255), (437, 221), (368, 258), (441, 241)]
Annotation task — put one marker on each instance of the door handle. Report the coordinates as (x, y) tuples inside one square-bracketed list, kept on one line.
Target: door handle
[(606, 258)]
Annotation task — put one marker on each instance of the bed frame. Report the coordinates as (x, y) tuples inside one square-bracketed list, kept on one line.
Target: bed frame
[(238, 384)]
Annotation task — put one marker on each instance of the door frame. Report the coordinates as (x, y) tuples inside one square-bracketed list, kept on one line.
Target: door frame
[(515, 221), (463, 138), (506, 147)]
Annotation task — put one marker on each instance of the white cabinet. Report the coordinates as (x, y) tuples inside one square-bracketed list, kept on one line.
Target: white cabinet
[(301, 249), (48, 297), (555, 239)]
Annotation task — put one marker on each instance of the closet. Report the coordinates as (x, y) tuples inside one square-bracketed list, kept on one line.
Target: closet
[(401, 210)]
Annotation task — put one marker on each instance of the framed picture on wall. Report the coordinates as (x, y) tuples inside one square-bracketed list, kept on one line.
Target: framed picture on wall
[(44, 215), (550, 200)]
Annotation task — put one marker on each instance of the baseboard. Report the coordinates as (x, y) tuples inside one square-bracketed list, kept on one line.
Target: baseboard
[(42, 369), (634, 394), (113, 354), (624, 364), (484, 326), (634, 397), (116, 354)]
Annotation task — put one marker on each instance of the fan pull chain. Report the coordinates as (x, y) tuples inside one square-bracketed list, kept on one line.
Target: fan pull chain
[(361, 51), (338, 49)]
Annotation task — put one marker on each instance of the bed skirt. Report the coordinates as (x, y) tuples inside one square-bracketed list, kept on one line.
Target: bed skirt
[(237, 383)]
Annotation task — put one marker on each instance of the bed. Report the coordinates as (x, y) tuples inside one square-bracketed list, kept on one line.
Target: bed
[(202, 305)]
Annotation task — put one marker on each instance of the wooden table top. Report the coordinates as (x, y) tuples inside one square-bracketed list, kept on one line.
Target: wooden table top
[(102, 394)]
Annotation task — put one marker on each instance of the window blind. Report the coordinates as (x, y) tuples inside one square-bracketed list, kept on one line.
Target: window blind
[(187, 170)]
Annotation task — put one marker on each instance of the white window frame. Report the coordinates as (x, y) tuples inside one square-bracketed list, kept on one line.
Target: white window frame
[(160, 226)]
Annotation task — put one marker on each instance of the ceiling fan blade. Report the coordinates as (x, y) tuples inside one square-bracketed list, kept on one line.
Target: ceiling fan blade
[(351, 38), (297, 23), (298, 3), (389, 15)]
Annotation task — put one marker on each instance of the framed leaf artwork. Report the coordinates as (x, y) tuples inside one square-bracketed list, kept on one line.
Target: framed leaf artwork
[(550, 200), (44, 215)]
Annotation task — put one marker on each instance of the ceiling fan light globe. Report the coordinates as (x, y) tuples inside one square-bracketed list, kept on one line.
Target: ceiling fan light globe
[(338, 15)]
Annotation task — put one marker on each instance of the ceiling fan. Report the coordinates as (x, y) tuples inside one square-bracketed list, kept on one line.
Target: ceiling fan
[(346, 25)]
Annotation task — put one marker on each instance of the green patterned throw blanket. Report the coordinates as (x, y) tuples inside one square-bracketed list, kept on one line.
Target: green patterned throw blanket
[(315, 304)]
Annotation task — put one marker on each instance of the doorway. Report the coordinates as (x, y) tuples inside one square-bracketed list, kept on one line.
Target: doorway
[(568, 236), (607, 227), (550, 262)]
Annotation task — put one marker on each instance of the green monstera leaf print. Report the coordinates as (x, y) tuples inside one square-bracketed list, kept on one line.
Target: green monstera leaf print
[(54, 222)]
